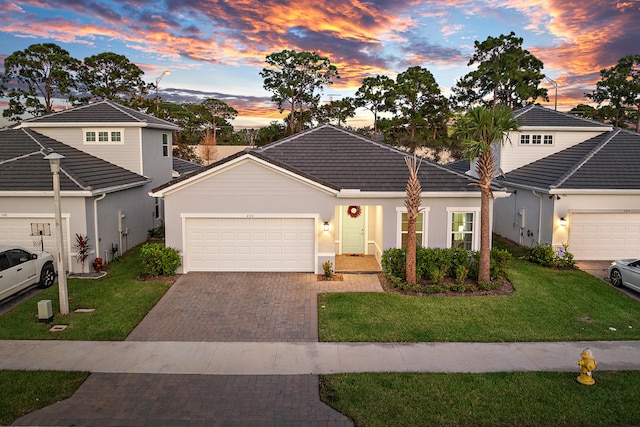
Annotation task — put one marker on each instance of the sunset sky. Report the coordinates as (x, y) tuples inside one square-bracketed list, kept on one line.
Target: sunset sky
[(216, 48)]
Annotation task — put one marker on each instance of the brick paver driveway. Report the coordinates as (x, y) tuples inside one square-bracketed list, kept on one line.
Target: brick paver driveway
[(239, 307), (215, 307)]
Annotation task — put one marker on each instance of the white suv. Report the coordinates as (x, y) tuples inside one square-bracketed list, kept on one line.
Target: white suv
[(20, 269)]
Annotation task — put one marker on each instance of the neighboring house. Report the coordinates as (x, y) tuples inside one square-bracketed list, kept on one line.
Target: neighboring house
[(183, 167), (572, 181), (95, 195), (125, 138), (297, 202)]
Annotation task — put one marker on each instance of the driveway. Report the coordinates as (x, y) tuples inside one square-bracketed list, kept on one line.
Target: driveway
[(599, 269), (244, 307), (233, 307)]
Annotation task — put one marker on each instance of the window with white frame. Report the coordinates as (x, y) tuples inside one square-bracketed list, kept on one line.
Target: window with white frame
[(103, 136), (536, 139), (421, 227), (462, 228)]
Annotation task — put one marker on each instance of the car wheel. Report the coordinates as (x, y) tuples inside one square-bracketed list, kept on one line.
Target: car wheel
[(47, 276), (616, 278)]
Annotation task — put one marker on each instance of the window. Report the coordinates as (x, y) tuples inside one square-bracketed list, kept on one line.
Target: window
[(157, 208), (536, 139), (462, 230), (165, 145), (103, 136)]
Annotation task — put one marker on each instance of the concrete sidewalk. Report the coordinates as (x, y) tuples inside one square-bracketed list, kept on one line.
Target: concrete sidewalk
[(282, 358)]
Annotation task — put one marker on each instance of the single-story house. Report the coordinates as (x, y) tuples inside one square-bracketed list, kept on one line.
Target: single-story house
[(298, 202)]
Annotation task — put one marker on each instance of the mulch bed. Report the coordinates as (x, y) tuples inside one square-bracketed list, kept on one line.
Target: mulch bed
[(505, 289)]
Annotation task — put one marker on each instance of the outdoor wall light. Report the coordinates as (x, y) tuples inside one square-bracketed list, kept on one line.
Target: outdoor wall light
[(563, 222), (326, 226)]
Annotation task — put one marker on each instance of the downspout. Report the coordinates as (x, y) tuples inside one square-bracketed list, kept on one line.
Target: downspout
[(95, 224), (539, 196)]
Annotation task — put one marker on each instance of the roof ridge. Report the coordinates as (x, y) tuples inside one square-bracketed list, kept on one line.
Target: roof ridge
[(119, 108), (561, 113), (585, 159), (289, 138), (524, 110)]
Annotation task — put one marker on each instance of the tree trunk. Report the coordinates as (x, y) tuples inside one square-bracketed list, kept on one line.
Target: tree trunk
[(484, 267), (412, 203)]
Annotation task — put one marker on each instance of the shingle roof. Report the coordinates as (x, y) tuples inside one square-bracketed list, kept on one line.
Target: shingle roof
[(23, 167), (605, 162), (104, 112), (342, 160), (183, 167), (536, 115), (347, 160)]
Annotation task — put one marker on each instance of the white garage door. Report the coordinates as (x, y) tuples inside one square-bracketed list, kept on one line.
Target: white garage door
[(250, 244), (604, 236), (19, 231)]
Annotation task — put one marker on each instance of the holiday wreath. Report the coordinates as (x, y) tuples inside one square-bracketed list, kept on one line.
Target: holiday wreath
[(354, 211)]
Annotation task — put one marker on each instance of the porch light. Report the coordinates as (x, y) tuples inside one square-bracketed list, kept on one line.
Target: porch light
[(326, 226), (563, 222)]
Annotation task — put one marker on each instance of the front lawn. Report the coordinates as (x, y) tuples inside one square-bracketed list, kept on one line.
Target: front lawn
[(25, 391), (120, 299), (495, 399), (546, 305)]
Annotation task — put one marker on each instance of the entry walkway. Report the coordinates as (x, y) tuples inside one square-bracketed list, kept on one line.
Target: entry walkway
[(286, 358)]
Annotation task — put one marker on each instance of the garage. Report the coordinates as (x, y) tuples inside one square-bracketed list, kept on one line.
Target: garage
[(24, 229), (604, 235), (250, 244)]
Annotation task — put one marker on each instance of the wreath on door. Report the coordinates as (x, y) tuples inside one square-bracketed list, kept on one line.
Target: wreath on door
[(354, 211)]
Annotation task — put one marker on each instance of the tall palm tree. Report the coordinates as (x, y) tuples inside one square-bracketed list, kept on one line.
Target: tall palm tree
[(481, 129), (412, 203)]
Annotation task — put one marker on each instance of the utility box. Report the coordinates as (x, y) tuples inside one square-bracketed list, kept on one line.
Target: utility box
[(45, 312)]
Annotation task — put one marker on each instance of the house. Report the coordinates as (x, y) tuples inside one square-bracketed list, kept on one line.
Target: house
[(572, 181), (95, 195), (298, 202), (106, 133)]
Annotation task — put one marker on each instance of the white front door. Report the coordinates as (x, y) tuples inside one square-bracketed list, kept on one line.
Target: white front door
[(353, 226)]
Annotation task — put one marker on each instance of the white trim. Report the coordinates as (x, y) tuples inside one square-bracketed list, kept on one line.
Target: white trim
[(475, 243), (425, 223), (140, 124), (602, 129), (141, 153), (403, 194)]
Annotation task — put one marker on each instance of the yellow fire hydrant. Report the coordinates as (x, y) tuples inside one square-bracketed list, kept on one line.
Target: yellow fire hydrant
[(587, 366)]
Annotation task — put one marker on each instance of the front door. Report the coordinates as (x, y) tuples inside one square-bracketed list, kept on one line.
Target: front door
[(353, 224)]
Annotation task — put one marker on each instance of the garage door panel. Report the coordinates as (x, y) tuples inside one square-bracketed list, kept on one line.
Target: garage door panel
[(250, 244), (604, 236)]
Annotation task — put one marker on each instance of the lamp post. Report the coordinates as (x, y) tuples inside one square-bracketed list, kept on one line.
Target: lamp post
[(164, 73), (555, 86), (54, 163)]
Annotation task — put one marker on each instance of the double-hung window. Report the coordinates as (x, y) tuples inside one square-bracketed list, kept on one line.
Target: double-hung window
[(463, 227), (165, 145), (403, 226)]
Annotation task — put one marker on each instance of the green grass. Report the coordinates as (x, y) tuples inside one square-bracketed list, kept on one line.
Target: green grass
[(496, 399), (547, 305), (25, 391), (120, 300)]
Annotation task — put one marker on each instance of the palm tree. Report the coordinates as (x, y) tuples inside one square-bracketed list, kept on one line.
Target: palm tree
[(480, 129), (412, 203)]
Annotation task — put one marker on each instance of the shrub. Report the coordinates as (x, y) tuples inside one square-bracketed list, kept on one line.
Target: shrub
[(156, 233), (159, 260), (499, 260), (461, 273), (546, 256), (328, 269), (393, 262)]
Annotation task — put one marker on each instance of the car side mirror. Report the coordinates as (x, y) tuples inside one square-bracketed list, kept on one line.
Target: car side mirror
[(34, 256)]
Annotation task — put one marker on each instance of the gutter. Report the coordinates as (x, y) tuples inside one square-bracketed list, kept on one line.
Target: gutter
[(539, 196)]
